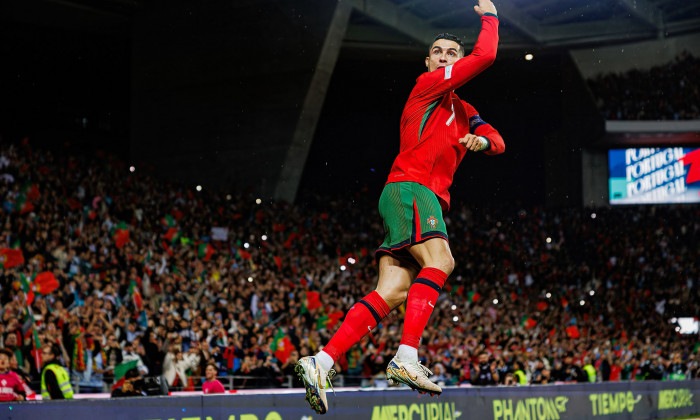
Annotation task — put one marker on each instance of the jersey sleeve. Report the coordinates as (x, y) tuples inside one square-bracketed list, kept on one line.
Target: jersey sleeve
[(21, 387), (482, 128), (441, 81)]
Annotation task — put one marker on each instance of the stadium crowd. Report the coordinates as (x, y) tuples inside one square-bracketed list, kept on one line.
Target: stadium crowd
[(667, 92), (119, 266)]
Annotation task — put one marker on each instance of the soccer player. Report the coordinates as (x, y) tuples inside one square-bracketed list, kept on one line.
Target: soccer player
[(437, 129)]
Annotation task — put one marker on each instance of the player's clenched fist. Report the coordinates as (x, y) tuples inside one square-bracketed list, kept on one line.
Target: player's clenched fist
[(485, 6), (474, 143)]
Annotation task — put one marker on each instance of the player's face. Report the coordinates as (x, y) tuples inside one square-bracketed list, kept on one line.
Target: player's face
[(4, 362), (443, 53), (210, 373)]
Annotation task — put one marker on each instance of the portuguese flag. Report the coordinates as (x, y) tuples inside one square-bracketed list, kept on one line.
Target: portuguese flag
[(119, 372), (11, 257), (281, 346), (135, 295), (205, 251)]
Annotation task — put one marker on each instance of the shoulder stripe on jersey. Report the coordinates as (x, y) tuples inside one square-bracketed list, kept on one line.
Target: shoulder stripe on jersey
[(426, 116)]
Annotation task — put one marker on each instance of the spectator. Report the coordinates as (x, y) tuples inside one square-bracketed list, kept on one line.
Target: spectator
[(665, 92), (13, 387), (176, 365), (212, 385), (568, 371), (484, 372), (133, 385), (128, 355), (676, 369), (511, 293), (55, 382)]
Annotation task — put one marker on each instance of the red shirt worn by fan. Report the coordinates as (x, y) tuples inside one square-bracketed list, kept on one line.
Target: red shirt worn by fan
[(434, 119), (11, 385)]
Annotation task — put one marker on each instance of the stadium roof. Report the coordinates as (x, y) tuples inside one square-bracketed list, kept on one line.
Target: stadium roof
[(524, 23), (412, 24)]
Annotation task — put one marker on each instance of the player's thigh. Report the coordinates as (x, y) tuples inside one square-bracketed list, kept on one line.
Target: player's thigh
[(434, 252), (395, 279)]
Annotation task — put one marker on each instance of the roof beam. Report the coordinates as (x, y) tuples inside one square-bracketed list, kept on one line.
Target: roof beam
[(681, 10), (688, 25), (523, 22), (645, 11), (614, 30), (396, 17)]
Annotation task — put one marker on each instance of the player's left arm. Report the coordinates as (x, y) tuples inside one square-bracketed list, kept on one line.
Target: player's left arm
[(482, 137)]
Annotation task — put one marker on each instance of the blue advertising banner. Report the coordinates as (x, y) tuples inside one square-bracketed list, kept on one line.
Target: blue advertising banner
[(605, 401)]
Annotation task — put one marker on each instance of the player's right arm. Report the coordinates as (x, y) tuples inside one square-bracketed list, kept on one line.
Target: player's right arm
[(441, 81)]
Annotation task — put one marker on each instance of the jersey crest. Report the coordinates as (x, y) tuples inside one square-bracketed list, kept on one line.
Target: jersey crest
[(432, 222)]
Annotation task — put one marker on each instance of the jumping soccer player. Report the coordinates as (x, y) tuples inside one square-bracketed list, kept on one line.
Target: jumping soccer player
[(437, 129)]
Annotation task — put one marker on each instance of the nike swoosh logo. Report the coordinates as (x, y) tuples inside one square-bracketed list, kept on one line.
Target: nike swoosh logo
[(369, 328), (431, 304)]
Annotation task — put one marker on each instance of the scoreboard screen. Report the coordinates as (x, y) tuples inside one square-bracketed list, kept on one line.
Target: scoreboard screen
[(654, 175)]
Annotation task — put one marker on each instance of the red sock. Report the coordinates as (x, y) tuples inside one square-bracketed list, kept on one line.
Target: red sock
[(360, 319), (421, 300)]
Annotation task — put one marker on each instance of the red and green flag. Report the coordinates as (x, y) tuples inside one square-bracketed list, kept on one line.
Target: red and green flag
[(27, 288), (528, 322), (169, 220), (11, 257), (45, 283), (205, 251), (135, 295), (120, 234), (120, 371), (172, 235), (321, 322), (36, 347), (281, 346)]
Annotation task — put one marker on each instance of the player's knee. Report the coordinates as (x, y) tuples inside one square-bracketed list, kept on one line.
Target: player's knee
[(394, 297), (446, 264)]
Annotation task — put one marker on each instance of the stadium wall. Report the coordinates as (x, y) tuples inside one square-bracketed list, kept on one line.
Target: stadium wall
[(619, 400)]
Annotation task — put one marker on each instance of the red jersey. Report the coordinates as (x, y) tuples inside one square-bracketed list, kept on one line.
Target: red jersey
[(434, 119), (11, 385), (213, 387)]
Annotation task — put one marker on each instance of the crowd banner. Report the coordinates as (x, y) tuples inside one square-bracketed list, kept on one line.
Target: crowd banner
[(612, 400)]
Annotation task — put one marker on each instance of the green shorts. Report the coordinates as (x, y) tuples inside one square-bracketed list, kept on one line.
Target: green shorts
[(411, 215)]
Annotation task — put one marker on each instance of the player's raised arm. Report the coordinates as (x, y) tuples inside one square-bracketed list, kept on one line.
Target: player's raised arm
[(484, 7), (445, 74)]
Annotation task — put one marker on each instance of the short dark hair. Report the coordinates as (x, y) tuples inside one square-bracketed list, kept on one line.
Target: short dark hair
[(7, 352), (448, 37), (53, 349)]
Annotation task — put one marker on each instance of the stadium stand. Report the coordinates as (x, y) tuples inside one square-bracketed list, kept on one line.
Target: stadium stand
[(119, 265)]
